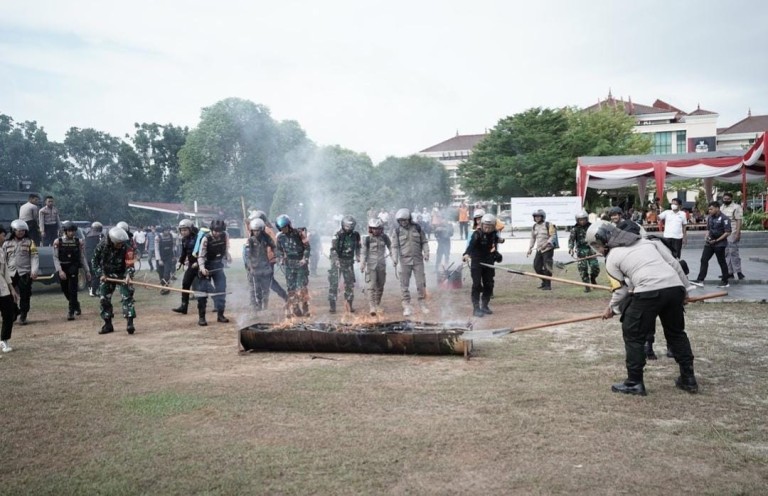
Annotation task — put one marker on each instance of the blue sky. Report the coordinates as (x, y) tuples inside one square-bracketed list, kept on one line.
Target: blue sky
[(384, 78)]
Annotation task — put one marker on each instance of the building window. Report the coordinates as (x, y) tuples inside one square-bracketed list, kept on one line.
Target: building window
[(662, 143), (681, 144)]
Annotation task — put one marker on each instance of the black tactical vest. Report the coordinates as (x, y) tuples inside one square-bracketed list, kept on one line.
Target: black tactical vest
[(217, 248), (69, 253), (166, 246)]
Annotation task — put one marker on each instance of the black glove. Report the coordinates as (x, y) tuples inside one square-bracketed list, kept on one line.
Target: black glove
[(497, 257)]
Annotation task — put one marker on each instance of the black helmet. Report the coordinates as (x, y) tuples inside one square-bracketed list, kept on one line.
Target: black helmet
[(68, 226), (218, 225)]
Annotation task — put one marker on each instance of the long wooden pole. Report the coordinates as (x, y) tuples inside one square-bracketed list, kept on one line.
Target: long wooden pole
[(549, 278), (157, 286), (718, 294)]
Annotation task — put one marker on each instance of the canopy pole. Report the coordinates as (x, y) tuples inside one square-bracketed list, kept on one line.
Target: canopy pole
[(744, 187)]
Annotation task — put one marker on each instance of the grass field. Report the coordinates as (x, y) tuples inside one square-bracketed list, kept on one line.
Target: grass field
[(177, 409)]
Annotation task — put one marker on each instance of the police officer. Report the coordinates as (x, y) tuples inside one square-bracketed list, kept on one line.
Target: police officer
[(482, 248), (270, 230), (68, 259), (410, 250), (579, 248), (543, 236), (23, 264), (92, 240), (345, 251), (113, 259), (658, 286), (164, 244), (293, 251), (214, 253), (188, 233), (9, 299)]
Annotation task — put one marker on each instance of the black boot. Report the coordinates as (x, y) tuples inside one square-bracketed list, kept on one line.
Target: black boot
[(107, 327), (71, 315), (587, 289), (649, 353), (130, 328), (77, 310), (201, 320), (332, 304), (485, 309), (593, 279), (350, 309), (181, 308), (687, 380), (630, 387), (23, 318), (669, 353), (477, 312), (220, 317)]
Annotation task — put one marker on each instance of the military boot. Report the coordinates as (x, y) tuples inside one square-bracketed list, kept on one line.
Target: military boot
[(477, 312), (181, 308), (220, 317), (201, 317), (332, 304), (23, 318), (593, 279), (687, 380), (485, 309), (78, 311), (636, 388), (107, 327), (587, 289), (129, 328), (649, 353), (71, 315), (350, 309)]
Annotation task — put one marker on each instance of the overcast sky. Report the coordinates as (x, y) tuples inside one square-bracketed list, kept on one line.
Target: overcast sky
[(381, 77)]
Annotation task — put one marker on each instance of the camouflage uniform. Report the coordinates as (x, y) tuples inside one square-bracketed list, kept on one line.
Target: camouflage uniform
[(345, 250), (115, 263), (294, 253), (578, 246)]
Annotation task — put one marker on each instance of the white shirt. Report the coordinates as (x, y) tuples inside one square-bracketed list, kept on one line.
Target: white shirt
[(674, 223)]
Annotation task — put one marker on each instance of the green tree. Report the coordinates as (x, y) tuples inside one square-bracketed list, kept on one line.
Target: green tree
[(534, 153), (26, 154), (412, 181), (158, 177), (238, 150)]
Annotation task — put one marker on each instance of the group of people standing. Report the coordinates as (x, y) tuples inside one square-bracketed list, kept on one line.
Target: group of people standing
[(43, 223)]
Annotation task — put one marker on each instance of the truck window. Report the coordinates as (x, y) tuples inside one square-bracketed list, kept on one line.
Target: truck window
[(8, 213)]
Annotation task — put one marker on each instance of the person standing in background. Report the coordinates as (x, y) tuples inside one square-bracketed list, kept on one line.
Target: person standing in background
[(30, 213), (675, 235), (734, 212), (463, 220), (150, 246), (49, 221)]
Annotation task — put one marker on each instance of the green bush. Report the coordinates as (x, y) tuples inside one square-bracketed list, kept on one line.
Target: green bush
[(754, 221)]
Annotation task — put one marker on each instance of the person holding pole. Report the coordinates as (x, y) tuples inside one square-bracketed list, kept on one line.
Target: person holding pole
[(647, 282), (113, 259)]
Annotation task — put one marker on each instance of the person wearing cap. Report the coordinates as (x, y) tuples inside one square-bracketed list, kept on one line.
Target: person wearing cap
[(647, 282), (68, 259), (21, 255), (482, 249), (543, 238), (113, 259), (9, 298), (580, 249)]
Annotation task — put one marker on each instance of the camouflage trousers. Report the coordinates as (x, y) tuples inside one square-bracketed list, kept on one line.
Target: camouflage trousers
[(346, 269), (126, 298), (588, 269), (296, 281)]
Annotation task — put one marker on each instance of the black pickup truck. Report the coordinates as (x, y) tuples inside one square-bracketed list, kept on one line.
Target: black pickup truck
[(10, 201)]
